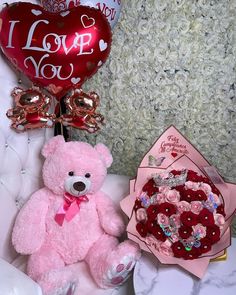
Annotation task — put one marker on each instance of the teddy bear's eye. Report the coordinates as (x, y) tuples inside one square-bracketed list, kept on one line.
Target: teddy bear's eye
[(71, 173), (87, 175)]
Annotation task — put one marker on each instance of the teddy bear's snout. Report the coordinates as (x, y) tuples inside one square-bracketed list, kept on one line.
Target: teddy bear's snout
[(79, 186)]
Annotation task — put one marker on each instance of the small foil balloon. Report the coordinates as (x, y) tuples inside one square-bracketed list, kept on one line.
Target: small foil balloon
[(81, 109), (30, 110), (56, 51), (56, 6), (110, 8)]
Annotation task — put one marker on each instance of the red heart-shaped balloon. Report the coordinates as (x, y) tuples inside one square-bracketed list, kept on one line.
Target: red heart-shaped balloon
[(56, 51)]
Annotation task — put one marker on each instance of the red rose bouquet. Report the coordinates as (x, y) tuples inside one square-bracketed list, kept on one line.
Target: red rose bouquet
[(180, 208)]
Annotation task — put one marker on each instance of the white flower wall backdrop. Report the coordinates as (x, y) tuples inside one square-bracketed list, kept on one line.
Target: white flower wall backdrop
[(172, 62)]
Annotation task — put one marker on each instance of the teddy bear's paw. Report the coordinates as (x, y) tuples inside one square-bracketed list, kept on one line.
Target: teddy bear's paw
[(117, 274)]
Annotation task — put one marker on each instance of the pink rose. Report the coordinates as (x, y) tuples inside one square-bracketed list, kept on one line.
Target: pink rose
[(196, 207), (199, 230), (160, 198), (164, 189), (165, 248), (162, 219), (172, 196), (219, 219), (141, 214), (175, 218), (183, 206), (192, 185), (216, 199), (206, 188)]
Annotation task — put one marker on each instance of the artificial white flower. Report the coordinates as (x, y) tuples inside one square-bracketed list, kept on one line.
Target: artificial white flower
[(171, 62)]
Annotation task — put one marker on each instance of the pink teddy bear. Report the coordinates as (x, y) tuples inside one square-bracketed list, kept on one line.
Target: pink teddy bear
[(71, 220)]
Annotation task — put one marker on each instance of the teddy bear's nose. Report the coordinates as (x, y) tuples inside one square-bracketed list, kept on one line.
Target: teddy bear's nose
[(79, 186)]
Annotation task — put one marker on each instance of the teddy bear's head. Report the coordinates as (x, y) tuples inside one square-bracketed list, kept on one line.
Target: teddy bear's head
[(74, 167), (31, 100), (81, 103)]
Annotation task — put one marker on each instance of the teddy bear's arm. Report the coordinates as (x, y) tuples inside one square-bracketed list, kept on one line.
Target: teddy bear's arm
[(110, 218), (29, 229)]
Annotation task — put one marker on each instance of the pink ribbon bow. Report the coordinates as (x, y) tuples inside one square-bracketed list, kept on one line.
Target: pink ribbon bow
[(69, 208)]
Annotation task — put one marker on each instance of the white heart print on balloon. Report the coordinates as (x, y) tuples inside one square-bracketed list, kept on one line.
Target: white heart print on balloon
[(110, 8)]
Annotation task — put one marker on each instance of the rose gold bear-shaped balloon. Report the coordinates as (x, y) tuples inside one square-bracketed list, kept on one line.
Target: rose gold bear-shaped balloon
[(30, 110), (81, 108)]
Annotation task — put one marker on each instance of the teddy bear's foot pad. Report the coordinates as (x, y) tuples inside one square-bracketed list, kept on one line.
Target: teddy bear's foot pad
[(118, 274)]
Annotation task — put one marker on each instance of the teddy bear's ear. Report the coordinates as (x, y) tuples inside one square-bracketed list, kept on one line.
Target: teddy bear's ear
[(50, 147), (16, 93), (104, 154)]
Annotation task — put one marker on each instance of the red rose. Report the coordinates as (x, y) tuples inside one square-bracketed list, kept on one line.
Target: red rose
[(221, 210), (192, 254), (188, 195), (188, 218), (195, 177), (205, 245), (185, 231), (204, 179), (152, 212), (200, 195), (178, 249), (206, 218), (159, 234), (191, 195), (137, 205), (167, 209), (180, 189), (213, 233), (192, 176), (142, 229), (150, 188), (156, 230), (151, 224), (176, 172)]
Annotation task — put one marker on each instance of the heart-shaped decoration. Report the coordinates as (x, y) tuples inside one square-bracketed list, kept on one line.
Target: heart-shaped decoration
[(110, 8), (174, 155), (36, 12), (87, 22), (55, 49), (75, 80), (54, 89), (64, 13), (102, 45)]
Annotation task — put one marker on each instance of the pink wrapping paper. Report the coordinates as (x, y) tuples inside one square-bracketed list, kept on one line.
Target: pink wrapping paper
[(173, 151)]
